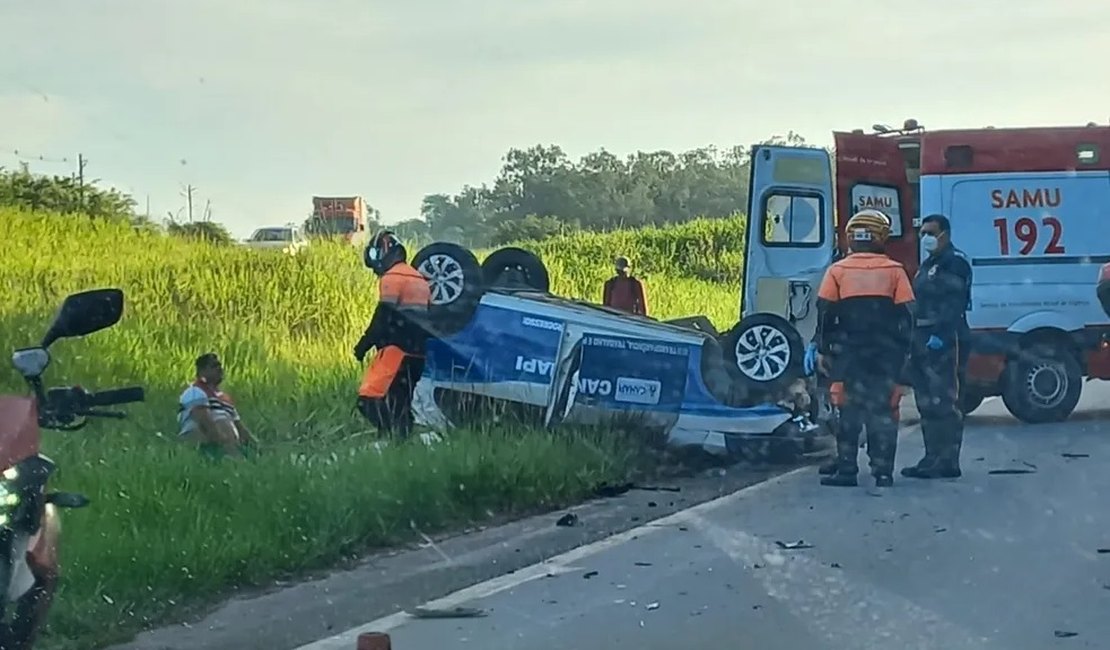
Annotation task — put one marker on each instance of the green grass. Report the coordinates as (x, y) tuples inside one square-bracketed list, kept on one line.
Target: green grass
[(168, 530)]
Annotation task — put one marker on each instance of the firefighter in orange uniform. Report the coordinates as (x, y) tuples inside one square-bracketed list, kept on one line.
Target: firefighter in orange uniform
[(399, 331), (863, 340)]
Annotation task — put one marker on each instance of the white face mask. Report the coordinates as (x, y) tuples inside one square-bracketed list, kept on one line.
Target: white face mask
[(929, 243)]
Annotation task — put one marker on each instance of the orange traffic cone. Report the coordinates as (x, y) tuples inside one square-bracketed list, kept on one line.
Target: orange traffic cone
[(373, 641)]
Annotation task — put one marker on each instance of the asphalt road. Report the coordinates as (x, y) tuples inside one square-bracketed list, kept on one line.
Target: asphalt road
[(999, 561)]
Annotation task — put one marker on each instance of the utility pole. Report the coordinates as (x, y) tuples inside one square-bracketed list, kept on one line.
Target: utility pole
[(189, 200), (81, 162)]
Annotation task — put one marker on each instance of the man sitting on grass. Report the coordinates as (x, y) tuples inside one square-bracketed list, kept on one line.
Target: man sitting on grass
[(208, 416)]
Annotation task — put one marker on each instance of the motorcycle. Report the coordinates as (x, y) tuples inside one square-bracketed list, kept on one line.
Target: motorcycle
[(30, 526)]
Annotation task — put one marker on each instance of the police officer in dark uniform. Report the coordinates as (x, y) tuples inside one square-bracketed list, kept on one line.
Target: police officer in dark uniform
[(943, 290), (862, 342)]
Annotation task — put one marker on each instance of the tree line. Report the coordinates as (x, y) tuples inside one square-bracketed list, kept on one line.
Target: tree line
[(538, 193)]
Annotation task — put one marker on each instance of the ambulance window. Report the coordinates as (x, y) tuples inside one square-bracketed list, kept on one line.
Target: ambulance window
[(1087, 154), (879, 197), (792, 220), (957, 156)]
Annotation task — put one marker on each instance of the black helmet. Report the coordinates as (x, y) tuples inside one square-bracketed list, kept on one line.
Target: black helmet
[(383, 251)]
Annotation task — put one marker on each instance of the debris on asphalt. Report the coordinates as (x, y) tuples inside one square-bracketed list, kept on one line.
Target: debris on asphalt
[(652, 504), (643, 563), (450, 612), (605, 490), (1012, 471), (589, 574), (793, 546), (835, 565), (652, 606), (683, 528), (655, 488), (567, 520), (939, 529), (1104, 551), (1064, 634), (1071, 455), (1029, 465)]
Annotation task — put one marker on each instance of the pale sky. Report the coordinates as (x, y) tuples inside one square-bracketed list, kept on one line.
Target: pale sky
[(263, 103)]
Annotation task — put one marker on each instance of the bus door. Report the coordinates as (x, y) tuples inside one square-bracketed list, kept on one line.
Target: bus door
[(790, 239), (875, 171)]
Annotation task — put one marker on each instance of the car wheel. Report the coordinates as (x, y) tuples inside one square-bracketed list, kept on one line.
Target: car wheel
[(1043, 384), (970, 399), (763, 351), (515, 267), (456, 283)]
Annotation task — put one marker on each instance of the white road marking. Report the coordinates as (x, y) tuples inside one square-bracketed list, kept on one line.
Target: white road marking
[(848, 613), (559, 563)]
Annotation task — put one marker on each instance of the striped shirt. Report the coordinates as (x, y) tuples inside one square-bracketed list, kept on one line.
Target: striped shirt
[(220, 406)]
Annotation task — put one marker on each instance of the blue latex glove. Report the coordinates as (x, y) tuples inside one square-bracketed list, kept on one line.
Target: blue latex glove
[(934, 343), (810, 361)]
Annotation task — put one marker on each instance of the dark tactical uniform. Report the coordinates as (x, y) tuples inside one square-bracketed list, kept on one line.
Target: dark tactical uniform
[(943, 290)]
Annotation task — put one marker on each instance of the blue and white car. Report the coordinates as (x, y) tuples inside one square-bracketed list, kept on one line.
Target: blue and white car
[(505, 340)]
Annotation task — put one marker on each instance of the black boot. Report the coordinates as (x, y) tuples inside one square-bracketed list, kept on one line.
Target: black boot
[(840, 480), (884, 480)]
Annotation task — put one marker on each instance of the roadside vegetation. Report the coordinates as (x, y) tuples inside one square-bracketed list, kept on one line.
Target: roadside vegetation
[(167, 530)]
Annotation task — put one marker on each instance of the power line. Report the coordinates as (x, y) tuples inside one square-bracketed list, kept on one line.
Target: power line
[(26, 155)]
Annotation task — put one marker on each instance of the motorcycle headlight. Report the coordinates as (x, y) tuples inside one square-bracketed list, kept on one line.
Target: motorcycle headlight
[(9, 495)]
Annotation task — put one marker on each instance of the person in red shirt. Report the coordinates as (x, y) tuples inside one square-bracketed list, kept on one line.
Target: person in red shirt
[(624, 291)]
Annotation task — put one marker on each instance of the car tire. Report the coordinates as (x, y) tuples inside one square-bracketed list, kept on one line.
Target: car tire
[(1042, 384), (514, 268), (457, 285), (781, 348), (970, 399)]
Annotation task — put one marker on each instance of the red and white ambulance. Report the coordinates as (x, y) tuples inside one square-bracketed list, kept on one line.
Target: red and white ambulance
[(1029, 207)]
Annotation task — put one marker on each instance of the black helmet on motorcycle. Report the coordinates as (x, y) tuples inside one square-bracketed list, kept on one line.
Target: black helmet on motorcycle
[(383, 251)]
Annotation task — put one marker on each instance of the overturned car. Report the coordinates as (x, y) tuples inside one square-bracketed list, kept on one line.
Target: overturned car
[(504, 339)]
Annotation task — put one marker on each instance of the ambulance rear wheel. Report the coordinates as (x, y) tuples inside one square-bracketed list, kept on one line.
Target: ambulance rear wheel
[(1042, 384), (512, 267), (457, 285), (764, 352)]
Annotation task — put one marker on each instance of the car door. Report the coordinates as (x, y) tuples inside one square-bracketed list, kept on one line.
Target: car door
[(881, 172), (790, 238)]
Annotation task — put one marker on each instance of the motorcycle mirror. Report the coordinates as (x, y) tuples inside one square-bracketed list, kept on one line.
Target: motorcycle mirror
[(84, 313), (31, 362)]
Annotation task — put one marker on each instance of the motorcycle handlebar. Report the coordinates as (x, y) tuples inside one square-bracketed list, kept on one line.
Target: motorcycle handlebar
[(114, 397)]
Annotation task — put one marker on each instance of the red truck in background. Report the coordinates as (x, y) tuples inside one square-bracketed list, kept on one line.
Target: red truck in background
[(339, 216)]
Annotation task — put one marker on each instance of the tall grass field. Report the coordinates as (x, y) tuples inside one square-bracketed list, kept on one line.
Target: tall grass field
[(169, 530)]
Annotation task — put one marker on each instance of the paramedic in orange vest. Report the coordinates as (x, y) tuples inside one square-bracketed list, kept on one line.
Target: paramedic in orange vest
[(399, 331), (624, 291), (862, 343)]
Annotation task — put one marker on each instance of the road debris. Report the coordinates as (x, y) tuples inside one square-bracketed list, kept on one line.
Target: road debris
[(450, 612), (651, 606), (589, 574), (793, 546), (643, 563), (1012, 471), (1071, 455), (567, 520), (1064, 634)]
